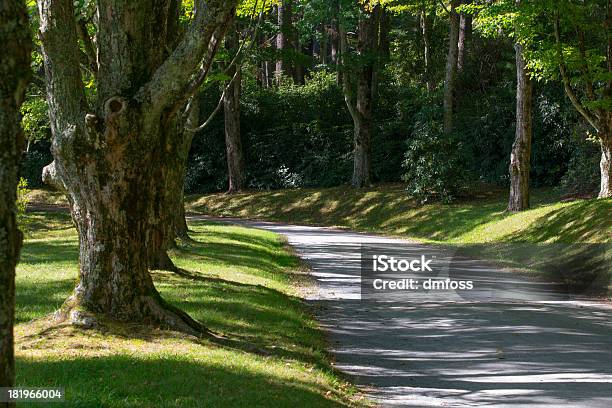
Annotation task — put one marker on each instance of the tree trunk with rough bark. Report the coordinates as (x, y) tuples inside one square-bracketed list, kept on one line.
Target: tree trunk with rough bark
[(109, 157), (521, 149), (14, 78), (465, 36), (451, 66), (231, 110), (360, 107), (284, 39)]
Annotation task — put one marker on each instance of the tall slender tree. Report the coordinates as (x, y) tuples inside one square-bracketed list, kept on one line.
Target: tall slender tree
[(231, 110), (284, 38), (14, 78), (451, 66), (360, 105), (465, 36), (112, 154), (520, 159), (426, 21)]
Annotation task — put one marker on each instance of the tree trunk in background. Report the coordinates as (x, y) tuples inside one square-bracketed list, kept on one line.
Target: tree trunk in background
[(110, 157), (465, 36), (606, 165), (284, 39), (361, 109), (451, 67), (521, 149), (14, 78), (181, 230), (231, 110), (324, 46), (426, 30), (381, 31)]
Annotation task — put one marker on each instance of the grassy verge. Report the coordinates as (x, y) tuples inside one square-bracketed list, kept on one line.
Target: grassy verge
[(241, 283), (387, 209)]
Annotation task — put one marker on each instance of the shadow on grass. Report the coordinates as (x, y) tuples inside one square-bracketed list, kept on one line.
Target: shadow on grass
[(260, 323), (37, 299), (388, 209), (164, 381), (50, 251), (579, 221), (254, 318)]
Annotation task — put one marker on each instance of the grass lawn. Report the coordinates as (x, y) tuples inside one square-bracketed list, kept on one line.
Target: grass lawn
[(242, 283), (387, 209)]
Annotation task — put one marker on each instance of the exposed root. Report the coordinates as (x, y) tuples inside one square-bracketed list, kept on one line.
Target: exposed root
[(154, 310)]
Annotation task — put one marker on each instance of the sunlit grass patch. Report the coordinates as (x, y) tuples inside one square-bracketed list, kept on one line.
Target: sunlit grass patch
[(389, 210), (238, 282)]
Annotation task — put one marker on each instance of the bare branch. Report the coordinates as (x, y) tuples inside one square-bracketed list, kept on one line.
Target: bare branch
[(217, 108), (444, 6), (233, 62)]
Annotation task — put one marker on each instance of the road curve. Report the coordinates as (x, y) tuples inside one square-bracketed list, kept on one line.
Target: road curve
[(501, 347)]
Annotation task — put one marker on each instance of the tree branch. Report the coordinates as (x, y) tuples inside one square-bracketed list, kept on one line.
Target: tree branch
[(65, 92), (592, 119), (88, 45), (233, 62), (349, 97), (217, 108), (169, 86), (444, 6)]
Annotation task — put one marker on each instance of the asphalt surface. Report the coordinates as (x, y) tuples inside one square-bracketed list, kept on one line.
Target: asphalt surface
[(509, 342)]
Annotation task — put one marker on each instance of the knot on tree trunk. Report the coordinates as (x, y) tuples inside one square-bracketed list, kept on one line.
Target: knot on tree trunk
[(114, 107)]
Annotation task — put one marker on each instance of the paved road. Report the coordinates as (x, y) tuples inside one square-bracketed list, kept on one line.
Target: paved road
[(509, 343)]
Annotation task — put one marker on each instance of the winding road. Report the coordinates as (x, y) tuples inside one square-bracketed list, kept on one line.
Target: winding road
[(511, 343)]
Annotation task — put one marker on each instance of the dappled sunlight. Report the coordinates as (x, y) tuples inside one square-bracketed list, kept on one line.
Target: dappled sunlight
[(388, 209), (235, 281)]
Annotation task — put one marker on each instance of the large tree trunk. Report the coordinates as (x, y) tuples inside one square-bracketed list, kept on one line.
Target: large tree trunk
[(112, 157), (14, 77), (465, 36), (521, 149), (231, 110), (451, 67)]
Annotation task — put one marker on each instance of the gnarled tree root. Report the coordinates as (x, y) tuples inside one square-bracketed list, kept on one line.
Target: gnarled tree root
[(154, 310)]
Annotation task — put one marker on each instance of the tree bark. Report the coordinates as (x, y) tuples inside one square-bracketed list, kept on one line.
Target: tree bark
[(426, 31), (284, 39), (605, 165), (451, 67), (112, 157), (521, 149), (231, 110), (465, 36), (14, 77), (360, 107)]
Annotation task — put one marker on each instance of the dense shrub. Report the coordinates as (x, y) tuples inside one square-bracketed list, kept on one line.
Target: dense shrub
[(33, 162), (294, 136), (435, 165), (583, 174)]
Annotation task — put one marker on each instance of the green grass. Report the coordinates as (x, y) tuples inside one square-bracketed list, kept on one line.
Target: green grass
[(387, 209), (241, 283)]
